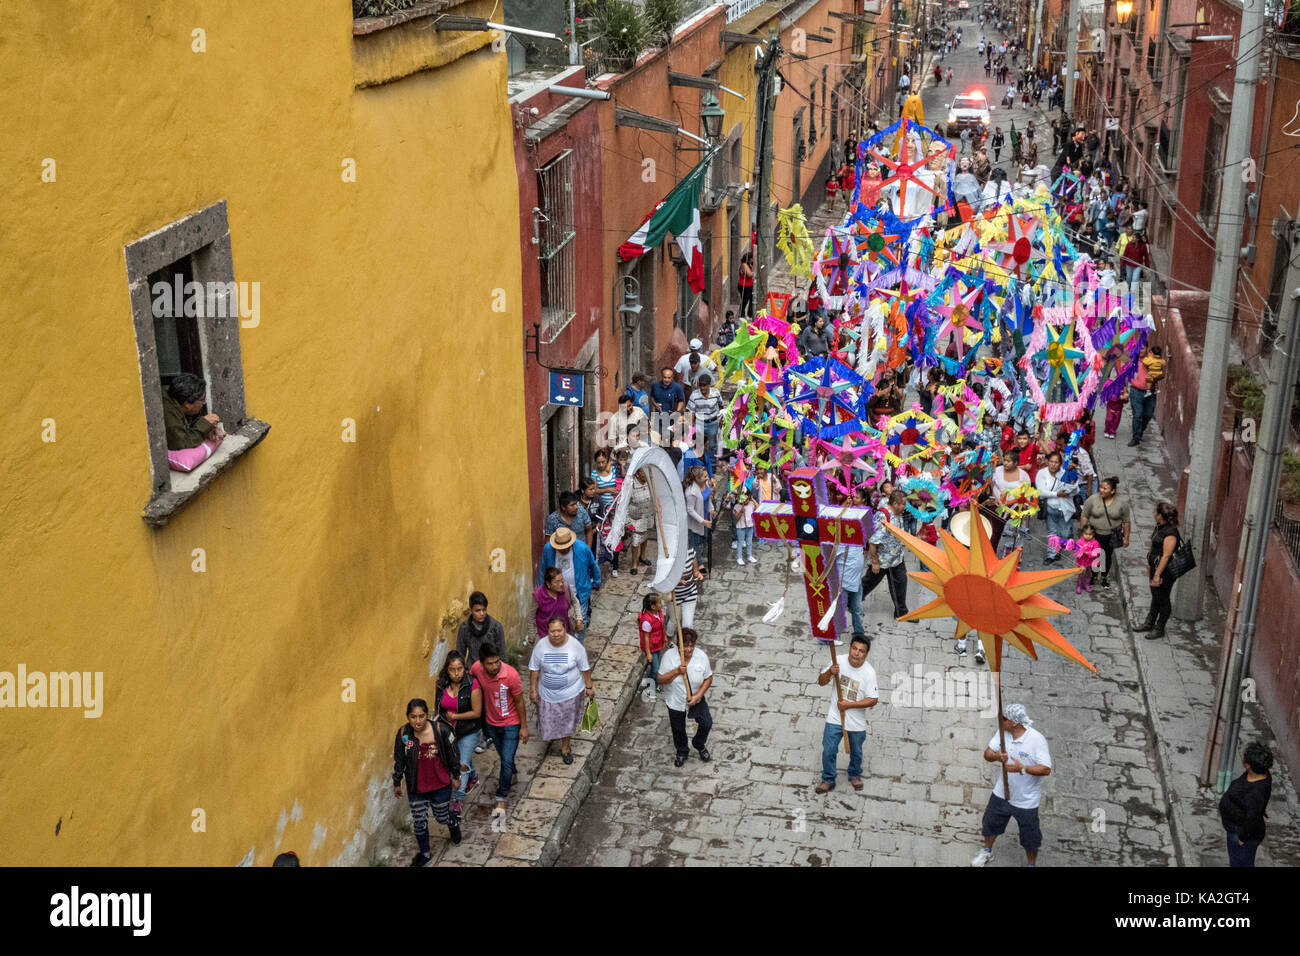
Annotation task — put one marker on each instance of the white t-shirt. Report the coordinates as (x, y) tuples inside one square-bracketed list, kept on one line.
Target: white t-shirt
[(697, 670), (683, 368), (561, 669), (1031, 751), (856, 683)]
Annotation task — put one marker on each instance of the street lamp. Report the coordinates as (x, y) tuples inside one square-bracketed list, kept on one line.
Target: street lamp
[(1123, 10), (711, 116)]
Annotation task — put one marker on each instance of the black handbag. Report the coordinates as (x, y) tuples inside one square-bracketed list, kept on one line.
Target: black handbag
[(1181, 561), (1116, 535)]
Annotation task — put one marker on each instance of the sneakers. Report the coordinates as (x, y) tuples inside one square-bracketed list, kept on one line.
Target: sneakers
[(753, 560), (705, 755), (740, 561), (678, 760), (979, 656), (648, 695), (613, 572), (480, 748), (421, 859), (961, 649), (1109, 434), (982, 857)]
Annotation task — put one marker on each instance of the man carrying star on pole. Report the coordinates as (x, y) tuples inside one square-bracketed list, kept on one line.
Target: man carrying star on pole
[(1027, 761)]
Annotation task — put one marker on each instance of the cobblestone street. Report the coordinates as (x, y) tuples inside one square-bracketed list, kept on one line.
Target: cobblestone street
[(1126, 744)]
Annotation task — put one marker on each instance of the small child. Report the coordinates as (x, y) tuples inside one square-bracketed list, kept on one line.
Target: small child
[(1087, 551), (1114, 411), (832, 189), (650, 623), (743, 512), (1087, 555)]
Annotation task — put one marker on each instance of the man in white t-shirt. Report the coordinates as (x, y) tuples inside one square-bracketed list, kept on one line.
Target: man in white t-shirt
[(848, 711), (1028, 762), (700, 675), (693, 364)]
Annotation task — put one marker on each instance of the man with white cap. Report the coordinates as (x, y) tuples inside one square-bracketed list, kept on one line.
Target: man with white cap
[(1027, 761), (693, 364)]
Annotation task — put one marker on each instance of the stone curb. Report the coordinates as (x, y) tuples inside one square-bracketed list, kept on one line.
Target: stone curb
[(591, 763), (1166, 788)]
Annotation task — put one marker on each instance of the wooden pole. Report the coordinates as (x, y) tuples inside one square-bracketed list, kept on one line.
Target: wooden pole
[(839, 695), (1002, 734), (672, 595)]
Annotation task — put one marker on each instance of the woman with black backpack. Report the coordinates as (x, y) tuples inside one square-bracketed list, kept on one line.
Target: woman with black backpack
[(1164, 540)]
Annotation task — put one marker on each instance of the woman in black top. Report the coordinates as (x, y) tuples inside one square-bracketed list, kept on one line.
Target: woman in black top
[(1163, 541), (1242, 807)]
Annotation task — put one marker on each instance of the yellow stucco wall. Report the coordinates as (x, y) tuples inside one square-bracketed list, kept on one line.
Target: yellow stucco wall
[(325, 560)]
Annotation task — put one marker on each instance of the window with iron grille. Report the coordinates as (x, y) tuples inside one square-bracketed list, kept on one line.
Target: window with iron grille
[(555, 247), (1212, 174)]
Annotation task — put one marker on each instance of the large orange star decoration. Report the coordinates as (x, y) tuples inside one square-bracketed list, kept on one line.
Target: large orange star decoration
[(992, 597)]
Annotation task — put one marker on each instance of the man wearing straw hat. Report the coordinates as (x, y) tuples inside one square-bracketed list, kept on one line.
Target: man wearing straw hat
[(1027, 762), (578, 567)]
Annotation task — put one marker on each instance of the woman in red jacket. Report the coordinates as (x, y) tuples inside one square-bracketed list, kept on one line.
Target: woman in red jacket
[(1136, 256)]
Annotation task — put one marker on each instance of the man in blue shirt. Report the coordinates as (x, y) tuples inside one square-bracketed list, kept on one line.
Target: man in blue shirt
[(667, 398), (638, 392)]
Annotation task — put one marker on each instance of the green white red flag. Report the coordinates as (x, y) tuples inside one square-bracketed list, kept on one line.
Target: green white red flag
[(679, 214)]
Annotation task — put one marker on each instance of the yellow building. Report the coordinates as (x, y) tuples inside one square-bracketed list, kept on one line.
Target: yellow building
[(258, 632)]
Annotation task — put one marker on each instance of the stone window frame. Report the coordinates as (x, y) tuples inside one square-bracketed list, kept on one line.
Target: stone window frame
[(203, 237)]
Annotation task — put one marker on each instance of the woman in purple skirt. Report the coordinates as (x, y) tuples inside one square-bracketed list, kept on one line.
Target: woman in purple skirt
[(560, 678)]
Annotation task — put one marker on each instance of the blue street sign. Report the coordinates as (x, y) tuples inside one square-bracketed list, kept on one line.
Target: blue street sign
[(566, 387)]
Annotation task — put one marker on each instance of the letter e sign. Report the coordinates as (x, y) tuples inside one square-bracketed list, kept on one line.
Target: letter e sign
[(566, 387)]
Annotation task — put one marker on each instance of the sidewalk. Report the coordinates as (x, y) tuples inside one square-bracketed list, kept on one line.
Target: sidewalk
[(1178, 674)]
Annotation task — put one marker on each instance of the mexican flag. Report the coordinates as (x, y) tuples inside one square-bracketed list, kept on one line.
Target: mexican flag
[(679, 213)]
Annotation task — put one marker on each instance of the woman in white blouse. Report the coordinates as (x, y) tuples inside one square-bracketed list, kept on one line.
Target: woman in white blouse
[(1009, 476), (1057, 496)]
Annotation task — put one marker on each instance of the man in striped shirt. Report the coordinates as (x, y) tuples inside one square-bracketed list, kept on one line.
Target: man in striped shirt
[(706, 407)]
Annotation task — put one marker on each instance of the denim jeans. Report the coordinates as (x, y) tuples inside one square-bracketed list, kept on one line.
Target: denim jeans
[(832, 738), (1132, 274), (745, 542), (1059, 525), (654, 667), (854, 601), (1144, 408), (581, 636), (506, 740), (710, 432), (1243, 855), (466, 745)]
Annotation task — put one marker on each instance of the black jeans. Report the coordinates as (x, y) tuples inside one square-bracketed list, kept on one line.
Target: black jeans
[(747, 301), (703, 724), (897, 578), (1161, 607)]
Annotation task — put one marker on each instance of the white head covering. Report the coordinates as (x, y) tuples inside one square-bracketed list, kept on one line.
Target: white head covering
[(1017, 714)]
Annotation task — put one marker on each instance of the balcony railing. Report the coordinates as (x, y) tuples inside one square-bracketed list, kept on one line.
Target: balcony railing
[(738, 8)]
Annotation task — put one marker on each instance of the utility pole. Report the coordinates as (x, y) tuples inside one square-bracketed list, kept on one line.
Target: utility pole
[(574, 58), (1071, 54), (1226, 723), (767, 109), (1208, 427)]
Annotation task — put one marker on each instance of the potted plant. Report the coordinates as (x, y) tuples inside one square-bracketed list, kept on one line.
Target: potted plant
[(662, 17), (1289, 489), (1252, 399), (1236, 375), (622, 31)]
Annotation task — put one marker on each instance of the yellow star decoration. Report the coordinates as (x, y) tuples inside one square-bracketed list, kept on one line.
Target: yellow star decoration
[(992, 597)]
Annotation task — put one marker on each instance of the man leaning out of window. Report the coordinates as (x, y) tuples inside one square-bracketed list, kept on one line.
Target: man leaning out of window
[(187, 426)]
